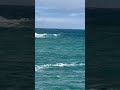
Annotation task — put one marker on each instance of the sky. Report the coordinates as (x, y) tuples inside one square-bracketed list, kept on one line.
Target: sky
[(62, 14)]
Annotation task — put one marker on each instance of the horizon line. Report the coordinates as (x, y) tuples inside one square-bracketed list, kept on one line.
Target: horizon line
[(60, 28)]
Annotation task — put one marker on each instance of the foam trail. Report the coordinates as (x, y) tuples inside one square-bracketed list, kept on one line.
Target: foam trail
[(45, 35), (47, 66)]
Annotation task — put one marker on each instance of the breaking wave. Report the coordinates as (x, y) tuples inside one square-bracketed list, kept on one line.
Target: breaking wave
[(45, 35), (47, 66)]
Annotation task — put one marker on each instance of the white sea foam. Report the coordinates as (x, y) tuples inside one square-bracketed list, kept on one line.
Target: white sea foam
[(47, 66), (45, 35)]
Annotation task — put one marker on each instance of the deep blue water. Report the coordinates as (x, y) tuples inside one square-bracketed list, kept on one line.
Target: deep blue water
[(59, 59)]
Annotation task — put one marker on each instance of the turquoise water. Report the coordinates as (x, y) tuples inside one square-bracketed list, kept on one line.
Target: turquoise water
[(59, 59)]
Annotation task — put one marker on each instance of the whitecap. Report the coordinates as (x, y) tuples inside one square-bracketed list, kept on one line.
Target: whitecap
[(47, 66), (45, 35)]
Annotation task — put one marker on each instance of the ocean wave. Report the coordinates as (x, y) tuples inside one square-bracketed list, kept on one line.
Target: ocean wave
[(45, 35), (47, 66)]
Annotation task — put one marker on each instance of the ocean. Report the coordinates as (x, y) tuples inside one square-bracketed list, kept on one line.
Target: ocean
[(59, 59)]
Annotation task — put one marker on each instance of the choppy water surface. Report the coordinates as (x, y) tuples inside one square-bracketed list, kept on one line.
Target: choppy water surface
[(59, 59)]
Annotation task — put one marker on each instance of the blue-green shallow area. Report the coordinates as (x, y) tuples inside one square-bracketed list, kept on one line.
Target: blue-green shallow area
[(59, 59)]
